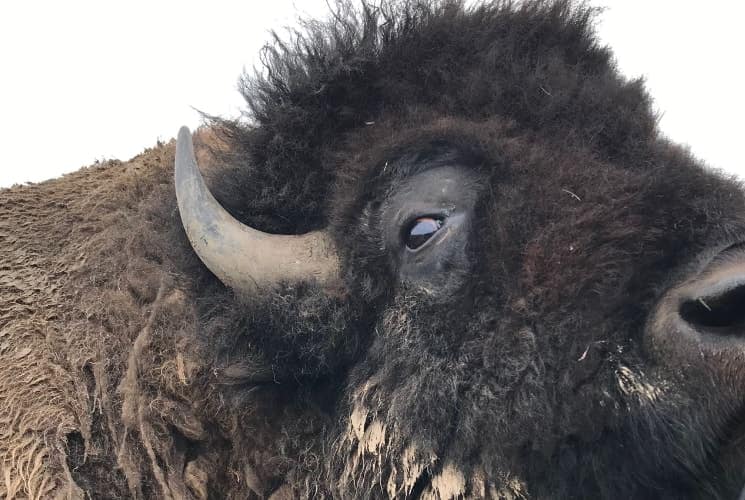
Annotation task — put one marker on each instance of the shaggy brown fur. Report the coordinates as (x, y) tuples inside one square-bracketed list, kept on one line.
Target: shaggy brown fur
[(127, 370), (51, 350), (84, 290)]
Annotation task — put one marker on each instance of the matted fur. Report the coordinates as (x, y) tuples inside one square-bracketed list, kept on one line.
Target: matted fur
[(128, 371)]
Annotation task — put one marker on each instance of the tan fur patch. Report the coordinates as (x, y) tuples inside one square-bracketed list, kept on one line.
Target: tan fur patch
[(634, 384), (374, 438), (358, 419), (448, 484)]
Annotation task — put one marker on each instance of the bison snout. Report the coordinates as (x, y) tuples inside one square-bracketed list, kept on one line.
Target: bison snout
[(718, 309), (705, 314)]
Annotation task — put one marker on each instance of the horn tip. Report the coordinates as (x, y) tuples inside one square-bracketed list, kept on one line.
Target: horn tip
[(184, 133)]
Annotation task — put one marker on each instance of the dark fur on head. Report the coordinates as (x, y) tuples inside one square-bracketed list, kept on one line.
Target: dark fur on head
[(529, 378), (536, 64)]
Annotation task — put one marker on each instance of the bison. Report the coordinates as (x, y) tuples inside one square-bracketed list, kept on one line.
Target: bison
[(449, 255)]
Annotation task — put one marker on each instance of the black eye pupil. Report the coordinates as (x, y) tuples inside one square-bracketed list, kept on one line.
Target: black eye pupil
[(421, 230)]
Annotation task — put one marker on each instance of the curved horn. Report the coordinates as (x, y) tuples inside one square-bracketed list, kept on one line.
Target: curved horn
[(240, 256)]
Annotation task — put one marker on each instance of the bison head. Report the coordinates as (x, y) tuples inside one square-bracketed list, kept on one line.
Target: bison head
[(488, 274)]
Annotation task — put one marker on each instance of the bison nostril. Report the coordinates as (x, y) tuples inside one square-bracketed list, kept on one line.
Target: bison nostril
[(722, 313)]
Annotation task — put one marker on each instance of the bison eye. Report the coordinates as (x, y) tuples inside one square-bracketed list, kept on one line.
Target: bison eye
[(420, 231)]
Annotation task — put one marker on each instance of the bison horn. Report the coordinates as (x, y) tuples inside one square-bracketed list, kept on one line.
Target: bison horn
[(240, 256)]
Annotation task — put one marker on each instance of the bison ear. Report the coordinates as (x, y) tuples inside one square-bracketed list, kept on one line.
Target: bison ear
[(240, 256)]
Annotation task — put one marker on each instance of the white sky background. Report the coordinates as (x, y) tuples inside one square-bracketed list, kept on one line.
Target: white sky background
[(89, 80)]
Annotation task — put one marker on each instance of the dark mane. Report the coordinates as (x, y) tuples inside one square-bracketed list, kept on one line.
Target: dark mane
[(537, 63)]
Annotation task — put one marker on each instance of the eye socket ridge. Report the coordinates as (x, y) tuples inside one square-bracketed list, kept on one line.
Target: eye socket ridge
[(416, 233)]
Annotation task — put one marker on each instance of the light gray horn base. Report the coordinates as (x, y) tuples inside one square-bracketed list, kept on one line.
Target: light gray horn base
[(242, 257)]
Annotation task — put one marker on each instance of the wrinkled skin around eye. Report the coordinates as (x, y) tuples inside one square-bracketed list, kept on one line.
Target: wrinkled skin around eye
[(427, 223)]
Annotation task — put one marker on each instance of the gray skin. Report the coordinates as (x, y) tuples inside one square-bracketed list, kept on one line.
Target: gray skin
[(448, 193)]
